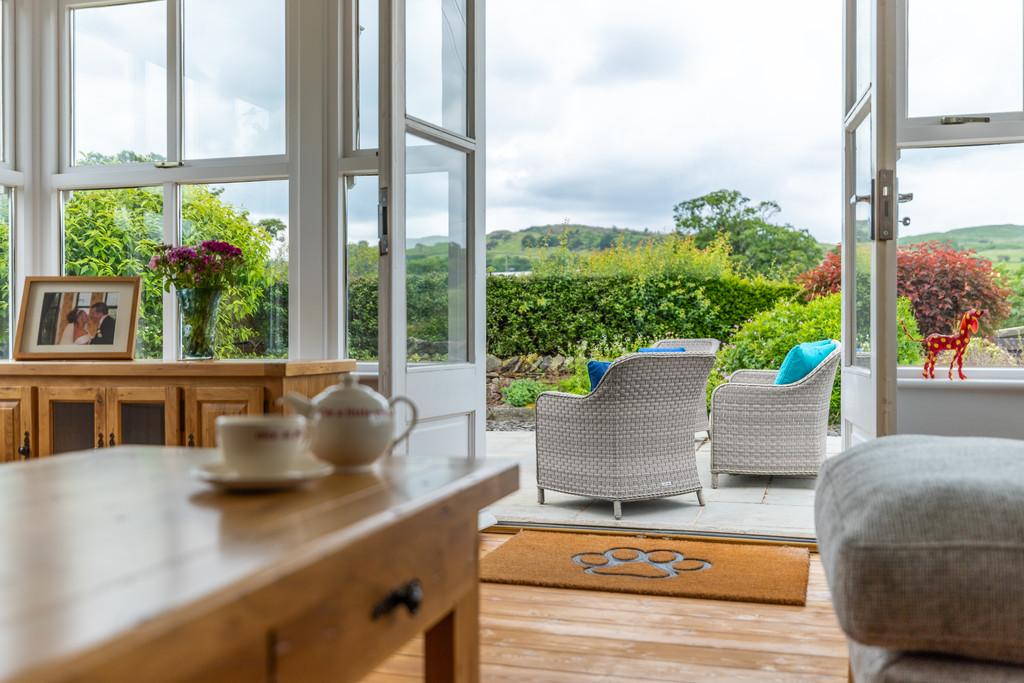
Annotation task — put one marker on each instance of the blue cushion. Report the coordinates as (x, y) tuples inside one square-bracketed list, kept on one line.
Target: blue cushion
[(802, 359), (596, 370), (678, 349)]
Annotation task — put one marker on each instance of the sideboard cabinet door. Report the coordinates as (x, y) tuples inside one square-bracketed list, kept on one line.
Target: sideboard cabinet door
[(203, 405), (71, 419), (17, 433), (147, 416)]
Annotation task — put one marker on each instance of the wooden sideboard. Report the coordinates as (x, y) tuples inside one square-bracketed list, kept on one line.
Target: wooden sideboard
[(134, 571), (55, 407)]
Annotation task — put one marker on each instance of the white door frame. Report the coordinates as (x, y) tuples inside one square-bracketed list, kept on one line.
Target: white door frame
[(447, 394), (869, 394)]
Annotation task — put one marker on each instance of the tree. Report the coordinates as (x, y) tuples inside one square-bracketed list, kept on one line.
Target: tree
[(758, 245), (941, 281), (114, 232)]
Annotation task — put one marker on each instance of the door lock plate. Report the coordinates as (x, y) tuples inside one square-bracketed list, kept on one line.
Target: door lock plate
[(885, 205)]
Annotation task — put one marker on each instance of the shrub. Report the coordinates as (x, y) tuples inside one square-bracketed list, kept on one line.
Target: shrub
[(941, 282), (578, 381), (554, 314), (764, 341), (523, 392)]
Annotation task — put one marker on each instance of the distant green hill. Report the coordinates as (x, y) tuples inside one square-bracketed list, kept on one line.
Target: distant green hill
[(509, 250), (998, 243)]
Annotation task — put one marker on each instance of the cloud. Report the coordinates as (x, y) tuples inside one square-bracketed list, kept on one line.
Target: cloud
[(604, 112)]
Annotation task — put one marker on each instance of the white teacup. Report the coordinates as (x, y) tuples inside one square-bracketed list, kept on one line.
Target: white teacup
[(261, 445)]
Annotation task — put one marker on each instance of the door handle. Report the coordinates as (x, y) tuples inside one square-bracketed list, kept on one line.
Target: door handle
[(904, 197), (110, 441), (25, 450), (860, 199), (99, 441)]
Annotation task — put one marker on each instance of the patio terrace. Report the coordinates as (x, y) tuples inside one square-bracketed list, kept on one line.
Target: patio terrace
[(762, 506)]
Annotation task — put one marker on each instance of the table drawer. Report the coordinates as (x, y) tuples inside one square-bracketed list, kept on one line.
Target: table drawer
[(353, 629)]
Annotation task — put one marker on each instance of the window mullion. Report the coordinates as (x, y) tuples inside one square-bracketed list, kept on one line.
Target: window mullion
[(174, 85), (171, 235)]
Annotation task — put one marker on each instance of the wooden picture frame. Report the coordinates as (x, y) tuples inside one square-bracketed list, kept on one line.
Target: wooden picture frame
[(78, 318)]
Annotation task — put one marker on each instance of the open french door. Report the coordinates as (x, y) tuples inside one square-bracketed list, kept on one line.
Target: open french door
[(431, 219), (870, 207)]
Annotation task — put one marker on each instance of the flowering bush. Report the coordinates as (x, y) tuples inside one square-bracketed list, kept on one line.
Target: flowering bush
[(942, 283), (211, 264)]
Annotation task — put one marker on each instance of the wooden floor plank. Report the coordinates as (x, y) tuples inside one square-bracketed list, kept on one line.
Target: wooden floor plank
[(552, 635)]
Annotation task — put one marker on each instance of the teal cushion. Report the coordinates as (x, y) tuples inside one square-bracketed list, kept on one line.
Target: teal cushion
[(803, 358), (596, 370), (678, 349)]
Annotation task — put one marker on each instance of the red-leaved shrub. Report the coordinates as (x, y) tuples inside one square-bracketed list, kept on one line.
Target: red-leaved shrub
[(941, 282)]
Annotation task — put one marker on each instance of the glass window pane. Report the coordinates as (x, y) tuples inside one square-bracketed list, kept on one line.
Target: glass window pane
[(119, 83), (965, 57), (862, 249), (435, 44), (114, 232), (863, 28), (968, 253), (234, 78), (362, 261), (436, 255), (369, 59), (5, 272), (253, 321)]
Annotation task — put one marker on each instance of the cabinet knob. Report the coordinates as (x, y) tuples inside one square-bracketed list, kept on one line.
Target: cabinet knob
[(191, 441), (409, 594), (110, 441), (99, 441), (25, 450)]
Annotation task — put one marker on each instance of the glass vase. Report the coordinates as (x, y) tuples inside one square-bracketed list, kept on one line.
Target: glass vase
[(197, 314)]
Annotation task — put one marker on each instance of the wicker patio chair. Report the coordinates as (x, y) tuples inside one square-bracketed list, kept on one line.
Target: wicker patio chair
[(629, 439), (762, 428), (700, 414)]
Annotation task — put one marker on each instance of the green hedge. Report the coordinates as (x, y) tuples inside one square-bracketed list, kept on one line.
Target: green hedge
[(555, 314)]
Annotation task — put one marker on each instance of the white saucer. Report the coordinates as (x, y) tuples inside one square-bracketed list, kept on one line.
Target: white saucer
[(304, 470)]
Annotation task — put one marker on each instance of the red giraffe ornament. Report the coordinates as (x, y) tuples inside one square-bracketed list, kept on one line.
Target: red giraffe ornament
[(936, 343)]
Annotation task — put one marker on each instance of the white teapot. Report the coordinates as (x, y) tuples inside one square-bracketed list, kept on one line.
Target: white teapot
[(351, 425)]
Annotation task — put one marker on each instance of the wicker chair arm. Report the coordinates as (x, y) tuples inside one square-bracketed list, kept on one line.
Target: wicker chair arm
[(754, 376)]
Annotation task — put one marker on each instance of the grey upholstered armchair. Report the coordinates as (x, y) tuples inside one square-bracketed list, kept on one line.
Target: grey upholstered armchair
[(700, 413), (759, 427), (629, 439)]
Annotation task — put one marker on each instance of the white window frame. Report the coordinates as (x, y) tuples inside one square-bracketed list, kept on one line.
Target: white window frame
[(309, 105), (929, 131), (351, 161)]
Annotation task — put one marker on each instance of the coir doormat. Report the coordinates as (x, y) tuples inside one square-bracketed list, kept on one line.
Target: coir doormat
[(626, 564)]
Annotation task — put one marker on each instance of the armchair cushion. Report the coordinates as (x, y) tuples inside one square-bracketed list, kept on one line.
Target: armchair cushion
[(661, 349), (802, 359), (596, 370)]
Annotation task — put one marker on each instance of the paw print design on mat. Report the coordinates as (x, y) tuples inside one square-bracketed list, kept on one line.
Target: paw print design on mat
[(637, 563)]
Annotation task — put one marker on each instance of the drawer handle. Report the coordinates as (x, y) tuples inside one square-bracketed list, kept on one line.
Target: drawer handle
[(25, 450), (409, 594)]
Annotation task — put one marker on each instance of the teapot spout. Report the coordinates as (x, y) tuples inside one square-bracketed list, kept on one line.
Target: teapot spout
[(298, 403)]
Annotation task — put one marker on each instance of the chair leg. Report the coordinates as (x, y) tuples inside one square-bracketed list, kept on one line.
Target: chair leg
[(617, 508), (714, 481), (540, 495), (700, 497)]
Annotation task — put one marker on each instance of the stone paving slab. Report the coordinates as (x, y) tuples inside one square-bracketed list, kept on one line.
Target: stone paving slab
[(776, 506)]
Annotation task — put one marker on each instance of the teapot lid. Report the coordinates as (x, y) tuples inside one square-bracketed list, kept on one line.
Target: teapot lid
[(349, 393)]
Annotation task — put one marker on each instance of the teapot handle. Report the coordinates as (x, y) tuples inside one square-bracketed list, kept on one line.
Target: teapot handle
[(412, 422)]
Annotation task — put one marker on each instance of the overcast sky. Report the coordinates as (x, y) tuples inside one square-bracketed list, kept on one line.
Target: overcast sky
[(598, 111), (606, 112)]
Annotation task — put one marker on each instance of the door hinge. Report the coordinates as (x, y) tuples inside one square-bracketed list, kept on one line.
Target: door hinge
[(383, 229)]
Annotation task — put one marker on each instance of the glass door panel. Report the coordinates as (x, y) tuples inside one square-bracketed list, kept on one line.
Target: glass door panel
[(964, 57), (436, 62), (362, 266), (862, 247), (436, 256)]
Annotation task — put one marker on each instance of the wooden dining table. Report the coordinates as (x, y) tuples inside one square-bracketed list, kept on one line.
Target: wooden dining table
[(117, 565)]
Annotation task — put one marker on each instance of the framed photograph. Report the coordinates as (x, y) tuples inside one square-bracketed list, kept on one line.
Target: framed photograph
[(87, 318)]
